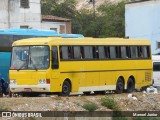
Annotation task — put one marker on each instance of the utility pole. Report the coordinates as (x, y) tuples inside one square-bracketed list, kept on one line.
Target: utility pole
[(94, 15), (94, 11)]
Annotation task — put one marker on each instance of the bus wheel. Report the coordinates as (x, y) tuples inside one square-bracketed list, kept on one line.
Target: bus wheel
[(130, 85), (119, 86), (66, 89)]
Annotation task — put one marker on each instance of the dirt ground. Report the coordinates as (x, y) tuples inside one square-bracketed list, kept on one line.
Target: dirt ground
[(143, 102)]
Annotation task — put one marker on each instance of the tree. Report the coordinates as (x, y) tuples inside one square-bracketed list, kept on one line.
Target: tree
[(108, 20), (114, 15), (61, 8)]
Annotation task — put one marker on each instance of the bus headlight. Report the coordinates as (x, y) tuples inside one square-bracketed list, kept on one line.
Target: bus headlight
[(42, 81), (13, 82)]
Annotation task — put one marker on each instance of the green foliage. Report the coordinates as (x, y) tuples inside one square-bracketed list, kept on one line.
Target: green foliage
[(58, 8), (109, 102), (114, 15), (90, 106), (2, 108), (108, 20)]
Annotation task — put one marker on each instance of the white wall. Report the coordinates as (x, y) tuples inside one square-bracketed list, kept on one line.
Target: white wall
[(3, 14), (142, 21), (20, 16), (25, 16), (48, 25)]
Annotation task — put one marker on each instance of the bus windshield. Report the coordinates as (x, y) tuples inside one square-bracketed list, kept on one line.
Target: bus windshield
[(30, 57)]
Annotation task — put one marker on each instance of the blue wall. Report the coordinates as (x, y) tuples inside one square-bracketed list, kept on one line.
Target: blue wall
[(142, 20)]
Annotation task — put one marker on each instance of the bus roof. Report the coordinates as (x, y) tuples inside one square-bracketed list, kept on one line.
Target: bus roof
[(35, 32), (156, 57), (81, 41)]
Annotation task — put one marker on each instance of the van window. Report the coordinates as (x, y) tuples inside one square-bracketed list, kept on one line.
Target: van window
[(156, 66)]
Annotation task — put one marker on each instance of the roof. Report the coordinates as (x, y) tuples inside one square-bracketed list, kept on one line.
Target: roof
[(81, 41), (37, 32), (54, 18), (156, 57), (137, 1)]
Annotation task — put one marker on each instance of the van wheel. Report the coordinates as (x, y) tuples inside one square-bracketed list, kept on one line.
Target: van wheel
[(119, 86), (130, 85), (66, 89)]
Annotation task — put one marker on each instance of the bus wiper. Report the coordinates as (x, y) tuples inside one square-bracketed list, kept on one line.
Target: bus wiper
[(22, 66)]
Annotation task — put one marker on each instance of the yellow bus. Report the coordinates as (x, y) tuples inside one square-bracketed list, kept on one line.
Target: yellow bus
[(65, 65)]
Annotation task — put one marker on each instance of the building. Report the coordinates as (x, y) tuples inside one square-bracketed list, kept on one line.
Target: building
[(142, 21), (27, 14)]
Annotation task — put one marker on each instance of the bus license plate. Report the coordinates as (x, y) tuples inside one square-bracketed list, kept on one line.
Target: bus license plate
[(27, 89)]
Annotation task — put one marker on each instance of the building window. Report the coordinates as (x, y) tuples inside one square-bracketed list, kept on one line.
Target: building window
[(55, 29), (24, 3), (24, 27)]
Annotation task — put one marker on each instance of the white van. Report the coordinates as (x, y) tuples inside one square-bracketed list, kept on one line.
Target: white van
[(156, 70)]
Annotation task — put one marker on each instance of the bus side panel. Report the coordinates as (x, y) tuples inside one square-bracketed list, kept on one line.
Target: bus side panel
[(107, 80), (5, 64), (144, 73), (78, 79)]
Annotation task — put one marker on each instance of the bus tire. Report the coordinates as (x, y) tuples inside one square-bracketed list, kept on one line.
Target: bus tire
[(66, 89), (119, 86), (130, 85)]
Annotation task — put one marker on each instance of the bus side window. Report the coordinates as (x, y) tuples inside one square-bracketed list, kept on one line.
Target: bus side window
[(123, 52), (82, 52), (88, 54), (64, 50), (146, 52), (118, 52), (95, 51), (70, 52), (101, 52), (107, 51), (55, 64), (128, 52), (112, 52), (77, 52), (134, 52), (60, 51), (156, 66), (140, 52)]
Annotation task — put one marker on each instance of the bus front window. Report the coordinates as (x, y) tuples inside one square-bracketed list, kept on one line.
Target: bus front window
[(39, 57), (19, 57), (30, 57)]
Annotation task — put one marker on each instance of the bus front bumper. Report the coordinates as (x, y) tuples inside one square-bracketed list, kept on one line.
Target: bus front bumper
[(30, 88)]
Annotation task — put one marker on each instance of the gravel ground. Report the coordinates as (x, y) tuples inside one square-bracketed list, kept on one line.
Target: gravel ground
[(143, 102), (147, 101)]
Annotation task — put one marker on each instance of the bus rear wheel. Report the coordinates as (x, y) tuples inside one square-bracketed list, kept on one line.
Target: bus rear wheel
[(130, 85), (119, 86), (66, 89)]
